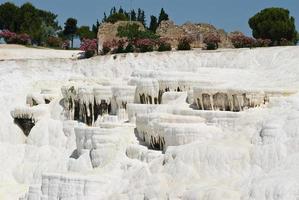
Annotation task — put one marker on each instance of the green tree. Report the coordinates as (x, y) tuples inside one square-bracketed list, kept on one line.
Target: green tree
[(117, 17), (50, 19), (153, 24), (121, 10), (85, 33), (132, 32), (70, 29), (274, 24), (95, 27), (9, 16), (133, 15), (31, 23), (37, 23), (163, 16), (141, 16), (104, 18)]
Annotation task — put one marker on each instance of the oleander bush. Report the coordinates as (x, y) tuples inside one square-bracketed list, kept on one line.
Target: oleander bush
[(263, 42), (129, 48), (89, 46), (13, 38), (163, 45), (66, 44), (184, 43), (212, 40), (55, 42), (145, 45), (242, 41)]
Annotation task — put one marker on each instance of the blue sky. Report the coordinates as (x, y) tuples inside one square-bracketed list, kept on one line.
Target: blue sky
[(227, 14)]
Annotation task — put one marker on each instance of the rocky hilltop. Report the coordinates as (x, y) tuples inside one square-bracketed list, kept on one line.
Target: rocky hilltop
[(195, 30), (167, 29), (108, 31)]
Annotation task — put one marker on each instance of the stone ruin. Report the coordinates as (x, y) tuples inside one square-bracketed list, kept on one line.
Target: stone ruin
[(167, 29), (108, 31), (197, 31)]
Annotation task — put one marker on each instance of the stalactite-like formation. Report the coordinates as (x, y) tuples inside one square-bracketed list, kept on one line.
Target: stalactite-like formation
[(44, 97), (87, 104), (228, 100), (26, 117)]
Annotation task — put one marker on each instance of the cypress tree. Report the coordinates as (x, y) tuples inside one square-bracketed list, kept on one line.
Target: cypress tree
[(163, 16), (153, 24)]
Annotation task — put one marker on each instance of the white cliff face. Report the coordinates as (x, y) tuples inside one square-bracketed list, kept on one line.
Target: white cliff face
[(175, 125)]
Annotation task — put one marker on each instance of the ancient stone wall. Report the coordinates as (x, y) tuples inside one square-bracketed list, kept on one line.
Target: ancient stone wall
[(167, 29), (197, 31), (108, 31)]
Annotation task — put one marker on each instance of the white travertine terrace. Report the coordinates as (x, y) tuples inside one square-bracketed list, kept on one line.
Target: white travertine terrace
[(147, 90), (159, 130), (210, 126)]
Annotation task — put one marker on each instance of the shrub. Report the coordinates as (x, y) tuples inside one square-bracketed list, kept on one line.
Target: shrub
[(109, 46), (163, 45), (13, 38), (129, 48), (120, 48), (89, 46), (242, 41), (184, 43), (117, 17), (23, 39), (55, 42), (263, 42), (133, 32), (212, 41), (145, 45), (66, 44), (275, 24), (285, 42)]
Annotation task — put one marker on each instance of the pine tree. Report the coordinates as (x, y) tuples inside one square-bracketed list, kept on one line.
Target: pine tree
[(105, 18), (163, 16), (121, 10), (95, 27), (133, 15), (153, 24), (70, 29), (141, 16)]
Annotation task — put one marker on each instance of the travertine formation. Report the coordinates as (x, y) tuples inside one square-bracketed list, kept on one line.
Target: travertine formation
[(175, 125)]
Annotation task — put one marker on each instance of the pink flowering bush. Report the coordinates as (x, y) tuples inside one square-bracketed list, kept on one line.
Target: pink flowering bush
[(66, 44), (145, 45), (8, 36), (263, 42), (163, 44), (120, 46), (23, 39), (185, 43), (212, 41), (89, 46), (242, 41), (13, 38), (109, 46)]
